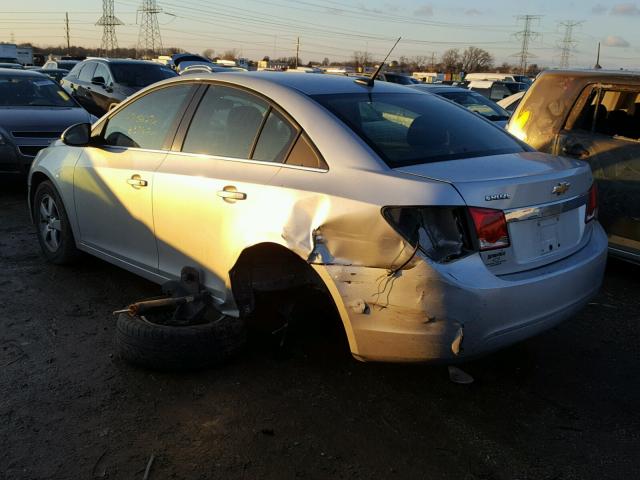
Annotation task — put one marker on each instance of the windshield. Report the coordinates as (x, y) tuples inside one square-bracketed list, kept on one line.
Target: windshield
[(23, 91), (477, 103), (408, 129), (139, 74)]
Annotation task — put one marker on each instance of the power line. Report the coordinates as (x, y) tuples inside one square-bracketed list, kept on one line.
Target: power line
[(526, 35), (149, 39), (568, 43), (109, 21)]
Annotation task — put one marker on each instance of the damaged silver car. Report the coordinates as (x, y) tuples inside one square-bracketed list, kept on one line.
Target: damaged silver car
[(437, 235)]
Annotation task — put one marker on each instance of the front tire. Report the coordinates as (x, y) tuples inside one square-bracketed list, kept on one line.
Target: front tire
[(52, 225)]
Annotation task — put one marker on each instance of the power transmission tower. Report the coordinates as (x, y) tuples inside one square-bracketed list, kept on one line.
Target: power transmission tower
[(109, 22), (567, 44), (67, 32), (527, 35), (149, 40)]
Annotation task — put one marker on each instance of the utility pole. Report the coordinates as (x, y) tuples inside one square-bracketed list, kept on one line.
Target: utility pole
[(149, 39), (67, 32), (527, 35), (297, 52), (109, 22), (567, 44)]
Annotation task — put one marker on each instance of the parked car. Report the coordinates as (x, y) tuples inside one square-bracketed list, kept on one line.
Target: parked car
[(495, 91), (13, 66), (471, 100), (34, 110), (399, 78), (60, 64), (511, 102), (435, 234), (181, 61), (56, 74), (594, 116), (99, 83), (504, 77), (209, 68)]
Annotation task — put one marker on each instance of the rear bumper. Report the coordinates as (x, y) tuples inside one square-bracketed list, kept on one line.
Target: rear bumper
[(460, 310)]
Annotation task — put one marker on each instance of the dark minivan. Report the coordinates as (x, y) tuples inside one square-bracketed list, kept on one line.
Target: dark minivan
[(98, 84)]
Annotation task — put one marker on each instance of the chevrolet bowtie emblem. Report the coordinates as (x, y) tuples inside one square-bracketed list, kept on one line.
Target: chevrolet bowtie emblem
[(561, 188)]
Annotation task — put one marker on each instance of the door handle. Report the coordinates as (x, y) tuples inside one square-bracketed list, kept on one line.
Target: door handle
[(231, 194), (137, 182)]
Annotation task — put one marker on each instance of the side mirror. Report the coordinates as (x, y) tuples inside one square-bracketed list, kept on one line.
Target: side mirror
[(98, 81), (78, 135)]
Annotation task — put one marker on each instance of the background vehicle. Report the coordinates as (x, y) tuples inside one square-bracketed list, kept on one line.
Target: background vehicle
[(56, 74), (471, 100), (511, 102), (8, 53), (14, 66), (399, 78), (594, 116), (60, 64), (209, 68), (427, 226), (494, 90), (33, 112), (497, 77), (99, 83)]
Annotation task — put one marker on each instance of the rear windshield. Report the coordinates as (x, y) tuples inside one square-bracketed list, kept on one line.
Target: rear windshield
[(41, 91), (477, 103), (408, 129), (138, 74)]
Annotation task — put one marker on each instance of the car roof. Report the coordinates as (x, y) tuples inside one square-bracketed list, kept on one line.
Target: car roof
[(306, 83), (439, 87), (123, 61), (14, 72), (591, 73)]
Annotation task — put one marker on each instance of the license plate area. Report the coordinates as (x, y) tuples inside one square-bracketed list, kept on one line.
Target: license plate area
[(548, 235)]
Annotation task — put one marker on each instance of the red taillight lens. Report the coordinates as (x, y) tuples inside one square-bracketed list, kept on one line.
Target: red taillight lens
[(491, 228), (592, 204)]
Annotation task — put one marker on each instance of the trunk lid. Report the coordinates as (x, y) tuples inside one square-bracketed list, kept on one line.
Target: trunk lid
[(543, 197)]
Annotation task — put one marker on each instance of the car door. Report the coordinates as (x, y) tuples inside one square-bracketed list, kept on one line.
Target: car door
[(113, 180), (213, 196), (101, 88), (82, 90), (604, 130)]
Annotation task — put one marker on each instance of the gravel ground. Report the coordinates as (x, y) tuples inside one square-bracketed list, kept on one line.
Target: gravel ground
[(563, 405)]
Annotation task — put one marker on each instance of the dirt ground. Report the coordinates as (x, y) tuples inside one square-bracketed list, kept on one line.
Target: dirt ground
[(563, 405)]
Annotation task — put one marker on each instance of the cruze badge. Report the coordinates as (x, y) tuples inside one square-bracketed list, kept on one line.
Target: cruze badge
[(561, 188), (497, 196)]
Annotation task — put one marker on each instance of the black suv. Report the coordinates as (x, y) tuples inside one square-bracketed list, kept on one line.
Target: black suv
[(99, 83)]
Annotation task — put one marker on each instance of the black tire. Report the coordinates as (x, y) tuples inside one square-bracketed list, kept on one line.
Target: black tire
[(167, 347), (65, 251)]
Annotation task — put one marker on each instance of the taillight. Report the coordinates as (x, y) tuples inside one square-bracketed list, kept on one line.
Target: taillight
[(592, 204), (491, 228), (441, 233)]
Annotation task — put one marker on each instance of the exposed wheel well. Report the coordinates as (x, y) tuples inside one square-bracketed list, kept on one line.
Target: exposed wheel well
[(36, 179)]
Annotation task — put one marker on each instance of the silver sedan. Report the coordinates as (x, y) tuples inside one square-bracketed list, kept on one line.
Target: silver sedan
[(437, 235)]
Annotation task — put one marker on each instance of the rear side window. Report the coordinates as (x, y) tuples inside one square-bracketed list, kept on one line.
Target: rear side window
[(226, 123), (276, 137), (304, 155), (612, 112), (87, 72), (146, 122), (408, 129)]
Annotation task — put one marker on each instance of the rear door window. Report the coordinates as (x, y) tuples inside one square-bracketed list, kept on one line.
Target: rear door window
[(276, 137), (87, 72), (303, 154), (226, 123)]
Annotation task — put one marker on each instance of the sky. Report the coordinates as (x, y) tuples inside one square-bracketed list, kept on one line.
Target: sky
[(335, 29)]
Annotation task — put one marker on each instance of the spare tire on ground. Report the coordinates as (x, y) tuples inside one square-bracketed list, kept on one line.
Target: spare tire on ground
[(149, 341)]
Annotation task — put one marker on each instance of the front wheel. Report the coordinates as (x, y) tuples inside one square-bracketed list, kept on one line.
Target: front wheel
[(52, 224)]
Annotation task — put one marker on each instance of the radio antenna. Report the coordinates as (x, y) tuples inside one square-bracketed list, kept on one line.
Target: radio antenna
[(369, 81)]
